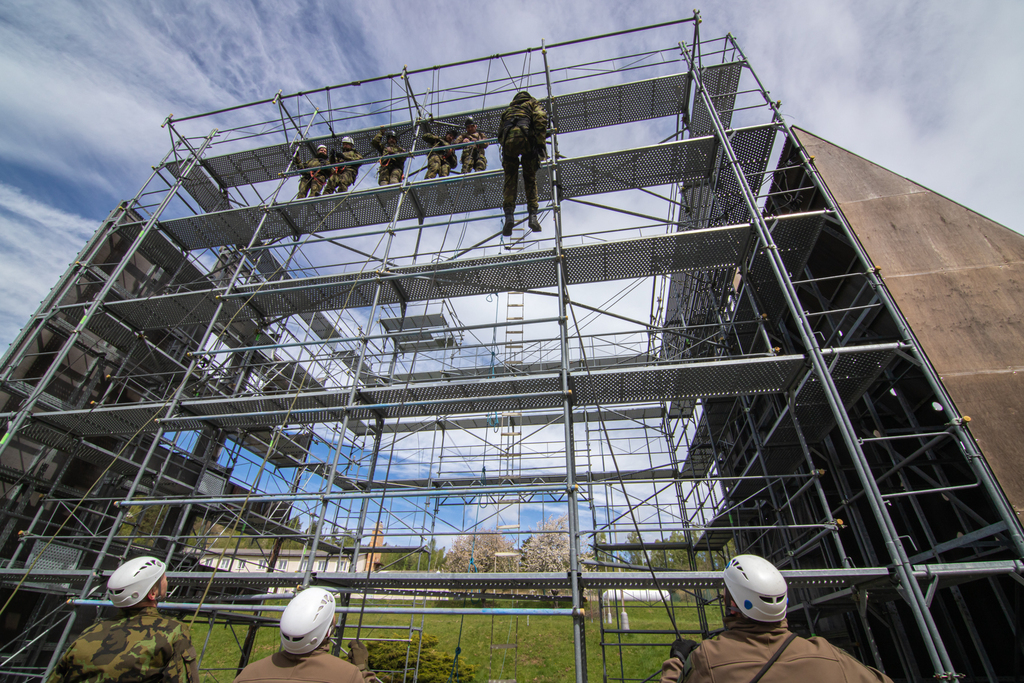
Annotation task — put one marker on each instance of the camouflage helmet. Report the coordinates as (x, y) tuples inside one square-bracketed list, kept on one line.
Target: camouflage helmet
[(133, 580), (307, 620), (470, 122), (390, 133)]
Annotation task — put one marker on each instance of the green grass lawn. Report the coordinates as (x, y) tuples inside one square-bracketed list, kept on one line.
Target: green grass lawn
[(544, 649)]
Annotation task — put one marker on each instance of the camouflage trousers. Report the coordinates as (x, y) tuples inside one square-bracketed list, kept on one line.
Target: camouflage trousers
[(437, 166), (310, 186), (473, 159), (510, 164), (389, 175), (340, 181)]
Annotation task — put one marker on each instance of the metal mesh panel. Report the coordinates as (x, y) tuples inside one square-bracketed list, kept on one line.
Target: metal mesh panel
[(674, 162), (234, 226), (637, 101), (699, 459), (211, 484), (684, 251), (77, 448), (199, 185), (693, 380), (852, 374), (447, 398), (795, 237), (721, 82), (692, 250), (683, 161)]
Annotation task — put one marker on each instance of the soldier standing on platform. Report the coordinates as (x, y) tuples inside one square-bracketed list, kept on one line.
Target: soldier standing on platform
[(140, 644), (440, 163), (522, 137), (343, 176), (473, 157), (313, 181), (386, 142)]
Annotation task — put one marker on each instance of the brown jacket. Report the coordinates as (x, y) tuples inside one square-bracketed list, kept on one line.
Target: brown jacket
[(738, 654), (318, 666)]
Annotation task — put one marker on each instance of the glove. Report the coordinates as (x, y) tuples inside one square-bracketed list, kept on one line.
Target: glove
[(358, 654), (681, 649)]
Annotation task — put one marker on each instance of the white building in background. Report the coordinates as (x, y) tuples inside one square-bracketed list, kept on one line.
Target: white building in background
[(291, 560)]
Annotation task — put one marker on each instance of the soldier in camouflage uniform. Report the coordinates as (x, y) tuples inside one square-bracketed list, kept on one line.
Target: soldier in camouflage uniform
[(440, 163), (139, 644), (306, 626), (522, 135), (473, 158), (313, 181), (343, 176), (386, 142)]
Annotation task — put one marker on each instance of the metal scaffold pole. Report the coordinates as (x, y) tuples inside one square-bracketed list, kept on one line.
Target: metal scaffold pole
[(697, 358)]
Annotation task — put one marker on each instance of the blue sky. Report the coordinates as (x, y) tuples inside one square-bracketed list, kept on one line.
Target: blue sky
[(931, 90)]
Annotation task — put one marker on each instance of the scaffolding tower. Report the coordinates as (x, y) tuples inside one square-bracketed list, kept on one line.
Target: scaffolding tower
[(695, 357)]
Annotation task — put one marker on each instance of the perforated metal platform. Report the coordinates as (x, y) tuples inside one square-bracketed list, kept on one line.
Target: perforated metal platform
[(603, 387), (602, 262), (685, 161), (852, 374), (200, 186), (614, 105)]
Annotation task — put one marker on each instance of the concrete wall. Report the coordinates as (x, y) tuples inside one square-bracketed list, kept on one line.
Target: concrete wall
[(958, 278)]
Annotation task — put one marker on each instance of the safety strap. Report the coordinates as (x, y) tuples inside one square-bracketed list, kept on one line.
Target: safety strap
[(768, 664)]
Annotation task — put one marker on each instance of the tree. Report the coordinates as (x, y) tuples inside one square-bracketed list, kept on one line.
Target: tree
[(547, 549), (482, 548), (388, 662)]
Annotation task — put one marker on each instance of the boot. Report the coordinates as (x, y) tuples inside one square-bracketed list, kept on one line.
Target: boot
[(534, 223), (510, 219), (358, 654)]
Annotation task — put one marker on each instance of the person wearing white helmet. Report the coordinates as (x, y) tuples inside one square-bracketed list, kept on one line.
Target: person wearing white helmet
[(138, 644), (757, 644), (311, 182), (342, 177), (306, 626)]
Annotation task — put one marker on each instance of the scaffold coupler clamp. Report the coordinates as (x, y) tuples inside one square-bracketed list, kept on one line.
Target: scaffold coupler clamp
[(948, 676)]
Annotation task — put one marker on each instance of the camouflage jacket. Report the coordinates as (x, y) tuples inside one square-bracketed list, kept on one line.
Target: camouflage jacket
[(471, 137), (385, 149), (447, 154), (524, 115), (347, 155), (140, 645), (313, 163)]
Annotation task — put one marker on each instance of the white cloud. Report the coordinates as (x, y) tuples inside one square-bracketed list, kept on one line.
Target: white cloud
[(36, 241)]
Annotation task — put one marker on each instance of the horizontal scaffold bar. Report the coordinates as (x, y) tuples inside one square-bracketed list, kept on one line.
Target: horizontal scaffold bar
[(362, 582), (611, 106), (686, 161), (606, 387), (218, 607), (689, 251)]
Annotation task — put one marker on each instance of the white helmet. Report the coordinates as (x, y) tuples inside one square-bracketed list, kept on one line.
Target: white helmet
[(321, 147), (348, 140), (307, 620), (132, 581), (757, 587)]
